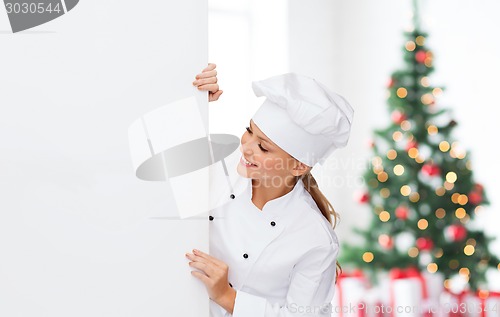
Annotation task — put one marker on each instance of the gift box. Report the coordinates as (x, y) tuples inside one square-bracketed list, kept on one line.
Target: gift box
[(400, 292), (490, 303), (349, 293), (375, 303), (408, 294), (434, 283), (482, 304), (454, 304)]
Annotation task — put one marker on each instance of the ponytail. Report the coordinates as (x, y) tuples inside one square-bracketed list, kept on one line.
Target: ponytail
[(323, 204)]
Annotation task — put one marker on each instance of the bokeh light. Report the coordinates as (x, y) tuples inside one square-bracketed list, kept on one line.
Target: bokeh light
[(440, 213), (469, 250), (432, 267), (368, 257), (444, 146), (405, 190), (399, 170), (384, 216), (422, 224)]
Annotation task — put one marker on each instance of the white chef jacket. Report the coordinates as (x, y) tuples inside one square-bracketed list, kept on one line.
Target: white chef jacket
[(281, 259)]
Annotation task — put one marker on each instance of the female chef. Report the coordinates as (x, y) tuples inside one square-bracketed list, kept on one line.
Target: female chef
[(273, 250)]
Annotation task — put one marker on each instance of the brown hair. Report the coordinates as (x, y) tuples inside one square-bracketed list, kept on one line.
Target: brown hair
[(323, 204)]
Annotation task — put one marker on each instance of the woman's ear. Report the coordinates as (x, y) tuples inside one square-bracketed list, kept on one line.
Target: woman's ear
[(300, 169)]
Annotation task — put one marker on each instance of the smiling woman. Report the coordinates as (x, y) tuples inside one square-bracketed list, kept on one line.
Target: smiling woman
[(270, 166), (273, 249)]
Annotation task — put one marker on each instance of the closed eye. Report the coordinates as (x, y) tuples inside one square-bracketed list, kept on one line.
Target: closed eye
[(260, 145)]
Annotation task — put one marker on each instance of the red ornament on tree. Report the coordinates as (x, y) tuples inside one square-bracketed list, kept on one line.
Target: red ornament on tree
[(391, 82), (385, 241), (424, 244), (364, 197), (456, 233), (411, 144), (398, 116), (420, 56), (402, 212), (478, 188), (475, 197), (430, 169), (371, 144)]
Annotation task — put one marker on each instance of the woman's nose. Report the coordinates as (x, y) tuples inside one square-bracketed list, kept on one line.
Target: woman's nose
[(244, 148), (248, 144)]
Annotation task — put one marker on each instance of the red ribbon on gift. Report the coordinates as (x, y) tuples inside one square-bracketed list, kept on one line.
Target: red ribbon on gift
[(355, 273), (379, 311), (460, 299), (362, 309), (410, 272), (483, 296)]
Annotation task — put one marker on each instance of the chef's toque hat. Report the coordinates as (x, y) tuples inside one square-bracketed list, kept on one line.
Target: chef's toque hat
[(303, 117)]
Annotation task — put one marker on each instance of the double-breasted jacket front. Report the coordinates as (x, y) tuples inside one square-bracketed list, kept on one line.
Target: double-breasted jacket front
[(281, 259)]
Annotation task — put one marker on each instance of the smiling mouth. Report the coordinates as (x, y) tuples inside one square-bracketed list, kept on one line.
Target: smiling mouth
[(246, 162)]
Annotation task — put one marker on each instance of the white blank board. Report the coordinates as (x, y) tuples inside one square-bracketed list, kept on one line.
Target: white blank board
[(80, 235)]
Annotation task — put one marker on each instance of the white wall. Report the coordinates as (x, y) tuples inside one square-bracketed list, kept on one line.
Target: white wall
[(353, 46)]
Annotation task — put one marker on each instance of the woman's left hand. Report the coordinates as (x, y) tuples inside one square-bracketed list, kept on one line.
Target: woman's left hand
[(214, 274), (207, 81)]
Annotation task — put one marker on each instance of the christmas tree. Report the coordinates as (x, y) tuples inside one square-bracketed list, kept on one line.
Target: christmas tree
[(420, 183)]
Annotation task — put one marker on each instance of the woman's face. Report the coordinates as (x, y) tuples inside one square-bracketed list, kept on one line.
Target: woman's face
[(262, 159)]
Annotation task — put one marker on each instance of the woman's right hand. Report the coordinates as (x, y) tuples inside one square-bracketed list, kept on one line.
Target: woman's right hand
[(207, 81)]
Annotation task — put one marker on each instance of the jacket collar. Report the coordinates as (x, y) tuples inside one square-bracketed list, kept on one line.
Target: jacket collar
[(280, 206)]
